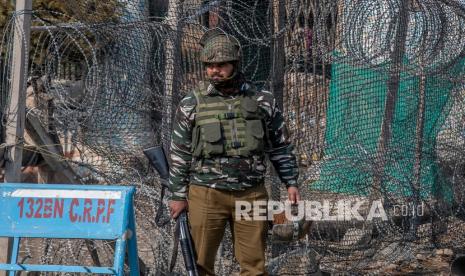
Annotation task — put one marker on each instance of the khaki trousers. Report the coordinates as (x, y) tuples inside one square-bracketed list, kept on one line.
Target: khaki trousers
[(209, 211)]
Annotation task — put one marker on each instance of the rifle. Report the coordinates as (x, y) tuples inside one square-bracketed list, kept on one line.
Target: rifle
[(158, 160)]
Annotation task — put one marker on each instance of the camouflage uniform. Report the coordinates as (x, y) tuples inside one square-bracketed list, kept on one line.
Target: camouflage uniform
[(229, 173), (218, 149)]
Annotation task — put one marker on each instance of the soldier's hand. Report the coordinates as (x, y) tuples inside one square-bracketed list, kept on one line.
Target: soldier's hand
[(176, 207), (293, 194)]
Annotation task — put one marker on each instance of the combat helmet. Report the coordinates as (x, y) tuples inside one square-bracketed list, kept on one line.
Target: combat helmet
[(218, 46)]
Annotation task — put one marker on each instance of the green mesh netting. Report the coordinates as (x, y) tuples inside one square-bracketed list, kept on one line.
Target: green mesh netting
[(355, 113)]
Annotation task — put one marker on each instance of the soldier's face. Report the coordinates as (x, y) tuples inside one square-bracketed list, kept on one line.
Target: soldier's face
[(219, 71)]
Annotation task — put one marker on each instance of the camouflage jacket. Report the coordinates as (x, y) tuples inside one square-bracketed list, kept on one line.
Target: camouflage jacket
[(228, 173)]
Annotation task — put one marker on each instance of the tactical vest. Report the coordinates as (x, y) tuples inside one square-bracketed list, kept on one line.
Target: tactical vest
[(227, 127)]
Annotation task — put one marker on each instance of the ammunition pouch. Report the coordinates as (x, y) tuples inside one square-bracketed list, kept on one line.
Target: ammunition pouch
[(230, 129)]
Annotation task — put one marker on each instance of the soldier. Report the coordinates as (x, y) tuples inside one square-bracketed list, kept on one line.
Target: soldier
[(221, 134)]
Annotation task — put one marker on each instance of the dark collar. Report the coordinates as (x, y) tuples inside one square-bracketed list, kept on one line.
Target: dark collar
[(212, 91)]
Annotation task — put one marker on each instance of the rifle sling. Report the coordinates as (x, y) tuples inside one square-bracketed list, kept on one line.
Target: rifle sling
[(159, 223), (159, 212), (174, 254)]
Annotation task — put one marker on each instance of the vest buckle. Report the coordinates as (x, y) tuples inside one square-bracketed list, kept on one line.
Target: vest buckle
[(228, 116), (236, 144)]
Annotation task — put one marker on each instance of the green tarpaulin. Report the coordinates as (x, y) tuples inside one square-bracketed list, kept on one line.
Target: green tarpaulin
[(354, 117)]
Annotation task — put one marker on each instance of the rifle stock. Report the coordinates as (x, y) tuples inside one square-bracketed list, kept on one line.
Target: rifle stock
[(158, 160)]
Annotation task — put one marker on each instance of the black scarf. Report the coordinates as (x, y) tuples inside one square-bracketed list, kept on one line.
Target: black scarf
[(232, 83)]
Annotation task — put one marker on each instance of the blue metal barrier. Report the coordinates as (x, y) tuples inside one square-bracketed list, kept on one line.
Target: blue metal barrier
[(69, 212)]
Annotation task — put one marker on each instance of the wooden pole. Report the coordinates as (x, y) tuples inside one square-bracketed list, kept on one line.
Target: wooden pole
[(16, 111), (420, 126), (393, 84), (173, 77), (277, 65), (278, 52), (172, 68), (277, 80)]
